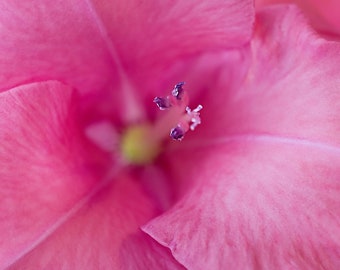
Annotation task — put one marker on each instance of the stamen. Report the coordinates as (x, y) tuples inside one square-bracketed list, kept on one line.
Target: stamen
[(162, 103), (141, 143), (178, 91), (177, 104), (177, 133)]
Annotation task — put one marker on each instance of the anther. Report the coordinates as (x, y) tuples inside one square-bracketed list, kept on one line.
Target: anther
[(178, 91), (185, 117), (177, 133), (162, 103)]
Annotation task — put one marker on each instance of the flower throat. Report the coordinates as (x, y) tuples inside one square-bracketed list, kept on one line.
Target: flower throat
[(142, 143)]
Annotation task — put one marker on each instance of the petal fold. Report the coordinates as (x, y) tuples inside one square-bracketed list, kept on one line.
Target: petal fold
[(255, 205), (324, 15), (291, 88)]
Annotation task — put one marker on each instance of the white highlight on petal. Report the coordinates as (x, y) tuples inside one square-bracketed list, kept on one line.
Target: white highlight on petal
[(104, 135)]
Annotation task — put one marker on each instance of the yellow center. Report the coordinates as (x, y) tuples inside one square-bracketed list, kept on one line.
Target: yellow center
[(138, 147)]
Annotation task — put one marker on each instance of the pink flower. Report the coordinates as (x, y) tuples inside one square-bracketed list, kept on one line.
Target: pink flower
[(256, 186)]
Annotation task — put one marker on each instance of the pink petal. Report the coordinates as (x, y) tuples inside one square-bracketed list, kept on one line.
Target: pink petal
[(46, 165), (265, 192), (151, 35), (43, 40), (257, 204), (104, 234), (324, 15), (291, 88)]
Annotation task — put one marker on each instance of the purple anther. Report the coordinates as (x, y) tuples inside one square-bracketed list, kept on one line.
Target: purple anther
[(177, 133), (162, 103), (178, 91)]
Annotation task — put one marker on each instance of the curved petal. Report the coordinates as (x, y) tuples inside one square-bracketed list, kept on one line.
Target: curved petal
[(256, 204), (143, 252), (151, 35), (263, 201), (104, 234), (46, 165), (57, 40), (291, 89)]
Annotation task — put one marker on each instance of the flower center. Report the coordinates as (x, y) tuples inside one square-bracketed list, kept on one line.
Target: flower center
[(142, 143), (137, 145)]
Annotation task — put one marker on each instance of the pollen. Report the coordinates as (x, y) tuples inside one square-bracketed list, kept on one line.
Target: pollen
[(138, 146)]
